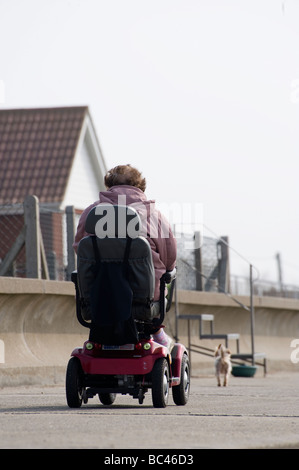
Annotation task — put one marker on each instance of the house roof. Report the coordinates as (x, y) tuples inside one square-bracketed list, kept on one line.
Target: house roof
[(37, 149)]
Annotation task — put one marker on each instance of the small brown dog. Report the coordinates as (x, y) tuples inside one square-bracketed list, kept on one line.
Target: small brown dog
[(222, 364)]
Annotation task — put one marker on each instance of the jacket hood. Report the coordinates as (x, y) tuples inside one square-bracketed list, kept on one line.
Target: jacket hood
[(125, 195), (131, 196)]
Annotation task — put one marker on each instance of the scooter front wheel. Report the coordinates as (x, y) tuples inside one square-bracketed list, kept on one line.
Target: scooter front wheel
[(160, 383), (107, 398)]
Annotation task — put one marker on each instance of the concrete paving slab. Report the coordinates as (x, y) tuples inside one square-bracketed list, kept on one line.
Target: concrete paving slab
[(251, 413)]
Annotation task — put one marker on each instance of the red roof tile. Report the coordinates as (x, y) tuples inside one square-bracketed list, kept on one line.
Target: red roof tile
[(37, 148)]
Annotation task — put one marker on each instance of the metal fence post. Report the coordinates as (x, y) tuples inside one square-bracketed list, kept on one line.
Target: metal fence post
[(32, 243), (223, 264), (198, 261), (70, 233), (252, 316)]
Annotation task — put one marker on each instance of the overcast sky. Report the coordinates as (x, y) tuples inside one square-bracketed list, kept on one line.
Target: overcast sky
[(201, 95)]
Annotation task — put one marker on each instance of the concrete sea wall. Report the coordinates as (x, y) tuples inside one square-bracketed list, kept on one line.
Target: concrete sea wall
[(39, 329)]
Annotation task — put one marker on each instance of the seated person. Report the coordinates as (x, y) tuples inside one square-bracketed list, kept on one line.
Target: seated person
[(125, 186)]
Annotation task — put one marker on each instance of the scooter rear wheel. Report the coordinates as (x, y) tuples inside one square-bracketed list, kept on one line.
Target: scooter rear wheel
[(160, 383), (180, 393), (74, 387)]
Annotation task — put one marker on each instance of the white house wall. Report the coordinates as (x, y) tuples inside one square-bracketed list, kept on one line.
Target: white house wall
[(87, 174)]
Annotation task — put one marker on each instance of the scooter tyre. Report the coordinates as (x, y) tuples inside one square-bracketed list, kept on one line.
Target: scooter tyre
[(180, 393), (160, 383), (74, 387)]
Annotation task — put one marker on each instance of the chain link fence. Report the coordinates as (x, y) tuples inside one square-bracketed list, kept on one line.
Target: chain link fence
[(203, 263), (50, 236), (240, 286), (212, 263), (11, 227)]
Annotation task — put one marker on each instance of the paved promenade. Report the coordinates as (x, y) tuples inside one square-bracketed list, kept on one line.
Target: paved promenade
[(251, 413)]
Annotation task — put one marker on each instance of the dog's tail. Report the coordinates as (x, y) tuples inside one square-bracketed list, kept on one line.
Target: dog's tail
[(221, 350)]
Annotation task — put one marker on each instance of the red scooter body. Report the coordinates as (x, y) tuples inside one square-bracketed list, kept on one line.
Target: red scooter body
[(106, 370), (129, 359), (130, 369)]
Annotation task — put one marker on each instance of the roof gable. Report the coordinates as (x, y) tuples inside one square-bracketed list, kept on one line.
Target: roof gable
[(37, 150), (86, 179)]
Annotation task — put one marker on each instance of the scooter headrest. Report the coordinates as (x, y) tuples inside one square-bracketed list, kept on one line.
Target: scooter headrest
[(109, 221)]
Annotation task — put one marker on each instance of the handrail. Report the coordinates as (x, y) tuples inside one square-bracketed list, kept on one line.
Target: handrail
[(219, 287)]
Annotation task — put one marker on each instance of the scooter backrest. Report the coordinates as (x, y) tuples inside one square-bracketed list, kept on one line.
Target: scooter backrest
[(113, 226), (109, 221)]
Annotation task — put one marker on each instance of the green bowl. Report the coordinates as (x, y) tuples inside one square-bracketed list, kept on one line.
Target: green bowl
[(243, 370)]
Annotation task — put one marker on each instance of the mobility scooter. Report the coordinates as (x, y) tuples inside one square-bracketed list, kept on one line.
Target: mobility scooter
[(114, 285)]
